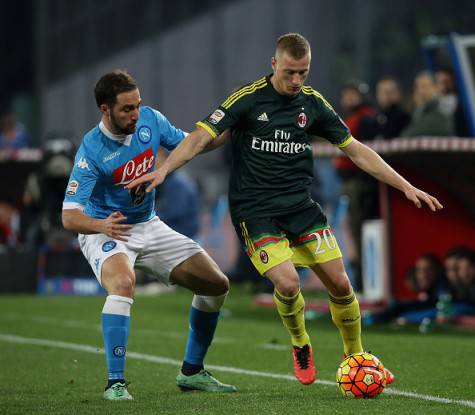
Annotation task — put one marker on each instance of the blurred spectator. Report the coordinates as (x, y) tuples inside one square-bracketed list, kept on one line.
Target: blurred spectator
[(391, 118), (178, 203), (426, 279), (451, 265), (44, 193), (13, 134), (359, 187), (437, 301), (357, 110), (445, 85), (462, 281), (449, 102), (427, 118), (9, 224)]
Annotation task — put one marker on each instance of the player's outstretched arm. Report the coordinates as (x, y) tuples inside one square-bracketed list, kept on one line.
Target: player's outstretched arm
[(369, 161), (77, 221), (218, 141), (193, 144)]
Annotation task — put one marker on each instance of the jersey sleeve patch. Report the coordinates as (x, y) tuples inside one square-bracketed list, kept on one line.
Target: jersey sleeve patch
[(72, 188), (345, 142), (209, 128)]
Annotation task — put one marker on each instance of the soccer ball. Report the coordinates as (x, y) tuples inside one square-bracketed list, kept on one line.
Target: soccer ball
[(361, 375)]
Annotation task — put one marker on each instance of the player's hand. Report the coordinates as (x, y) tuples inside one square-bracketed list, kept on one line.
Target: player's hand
[(156, 177), (418, 196), (113, 227)]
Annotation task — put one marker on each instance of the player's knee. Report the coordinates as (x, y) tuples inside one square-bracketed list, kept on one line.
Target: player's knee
[(220, 284), (288, 285), (123, 284), (342, 286)]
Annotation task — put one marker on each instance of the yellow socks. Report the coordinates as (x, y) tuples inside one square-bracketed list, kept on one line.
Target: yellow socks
[(345, 313), (291, 311), (346, 316)]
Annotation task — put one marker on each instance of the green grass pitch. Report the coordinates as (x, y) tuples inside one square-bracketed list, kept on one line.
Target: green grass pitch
[(51, 362)]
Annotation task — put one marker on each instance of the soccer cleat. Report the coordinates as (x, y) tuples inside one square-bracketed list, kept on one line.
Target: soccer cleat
[(304, 369), (118, 392), (389, 376), (202, 381)]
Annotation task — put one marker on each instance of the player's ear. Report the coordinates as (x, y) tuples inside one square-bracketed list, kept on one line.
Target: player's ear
[(104, 108), (273, 62)]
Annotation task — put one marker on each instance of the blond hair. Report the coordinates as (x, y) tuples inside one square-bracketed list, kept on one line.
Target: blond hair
[(294, 44)]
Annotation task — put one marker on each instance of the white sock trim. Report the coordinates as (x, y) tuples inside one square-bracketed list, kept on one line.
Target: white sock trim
[(116, 304), (208, 304)]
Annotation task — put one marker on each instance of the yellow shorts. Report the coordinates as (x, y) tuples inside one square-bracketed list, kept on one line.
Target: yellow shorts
[(270, 241)]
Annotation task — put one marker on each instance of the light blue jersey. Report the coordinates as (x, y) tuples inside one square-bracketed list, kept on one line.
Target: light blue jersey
[(105, 163)]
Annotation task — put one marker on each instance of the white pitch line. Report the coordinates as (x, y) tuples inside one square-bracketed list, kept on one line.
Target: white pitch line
[(97, 327), (167, 361), (273, 346), (141, 332)]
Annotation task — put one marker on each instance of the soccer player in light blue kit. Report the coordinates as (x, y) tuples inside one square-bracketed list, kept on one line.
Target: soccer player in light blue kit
[(118, 230)]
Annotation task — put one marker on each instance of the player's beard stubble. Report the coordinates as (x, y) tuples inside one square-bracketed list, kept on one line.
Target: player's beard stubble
[(118, 129)]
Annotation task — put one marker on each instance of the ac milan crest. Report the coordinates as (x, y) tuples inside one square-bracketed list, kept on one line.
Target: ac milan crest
[(302, 120), (264, 257)]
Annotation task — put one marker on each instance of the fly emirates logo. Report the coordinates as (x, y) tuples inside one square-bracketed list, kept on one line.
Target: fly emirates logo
[(280, 144), (134, 168)]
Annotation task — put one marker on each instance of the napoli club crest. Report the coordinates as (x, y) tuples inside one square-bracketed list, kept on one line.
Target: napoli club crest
[(119, 351), (145, 134), (302, 120), (108, 246)]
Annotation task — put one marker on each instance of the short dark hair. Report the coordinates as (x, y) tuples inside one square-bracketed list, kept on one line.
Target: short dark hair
[(112, 84), (447, 70), (457, 251), (294, 44), (393, 79)]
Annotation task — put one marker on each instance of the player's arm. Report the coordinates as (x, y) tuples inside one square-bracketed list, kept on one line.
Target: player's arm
[(218, 141), (369, 161), (162, 155), (77, 221), (192, 145), (210, 134), (81, 183)]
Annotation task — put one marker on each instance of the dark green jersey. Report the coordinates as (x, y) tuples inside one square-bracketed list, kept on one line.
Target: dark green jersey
[(271, 143)]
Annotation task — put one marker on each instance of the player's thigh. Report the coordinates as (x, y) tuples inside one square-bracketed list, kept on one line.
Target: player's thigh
[(264, 242), (200, 274), (99, 249), (165, 249), (118, 276), (312, 241), (334, 277)]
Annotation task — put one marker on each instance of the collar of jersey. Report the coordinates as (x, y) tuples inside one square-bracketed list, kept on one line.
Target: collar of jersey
[(122, 139), (273, 91)]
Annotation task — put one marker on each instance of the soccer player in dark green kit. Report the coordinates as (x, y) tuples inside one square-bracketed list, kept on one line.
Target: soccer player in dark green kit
[(273, 121)]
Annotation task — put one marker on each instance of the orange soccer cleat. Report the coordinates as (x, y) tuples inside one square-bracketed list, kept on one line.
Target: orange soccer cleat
[(389, 376), (304, 368)]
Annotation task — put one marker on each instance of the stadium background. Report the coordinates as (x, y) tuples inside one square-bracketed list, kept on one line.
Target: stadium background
[(187, 56)]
